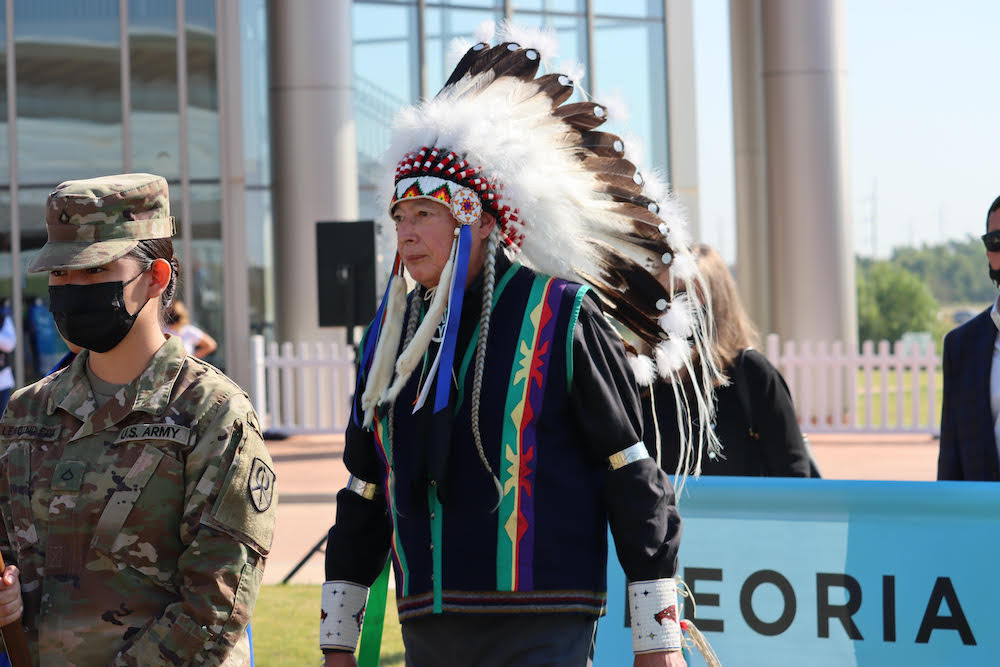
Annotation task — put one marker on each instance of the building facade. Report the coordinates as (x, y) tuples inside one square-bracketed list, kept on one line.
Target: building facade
[(185, 89), (110, 86), (268, 116), (634, 55)]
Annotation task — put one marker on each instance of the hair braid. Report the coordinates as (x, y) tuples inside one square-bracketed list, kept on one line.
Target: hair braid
[(413, 314), (489, 282)]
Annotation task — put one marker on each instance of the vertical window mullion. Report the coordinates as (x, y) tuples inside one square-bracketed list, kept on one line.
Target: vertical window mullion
[(15, 213), (126, 86), (182, 102), (591, 63), (421, 48)]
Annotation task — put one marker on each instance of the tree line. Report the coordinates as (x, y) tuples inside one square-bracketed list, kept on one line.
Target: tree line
[(907, 291)]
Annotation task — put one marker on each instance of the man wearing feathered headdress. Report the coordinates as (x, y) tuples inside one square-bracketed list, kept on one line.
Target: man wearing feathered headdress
[(496, 429)]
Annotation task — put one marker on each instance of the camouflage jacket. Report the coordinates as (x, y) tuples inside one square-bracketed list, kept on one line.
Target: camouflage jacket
[(141, 527)]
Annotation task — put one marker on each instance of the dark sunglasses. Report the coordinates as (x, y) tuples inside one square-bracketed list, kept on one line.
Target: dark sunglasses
[(992, 240)]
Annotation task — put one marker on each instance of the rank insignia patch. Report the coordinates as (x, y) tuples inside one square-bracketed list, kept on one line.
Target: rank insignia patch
[(261, 485)]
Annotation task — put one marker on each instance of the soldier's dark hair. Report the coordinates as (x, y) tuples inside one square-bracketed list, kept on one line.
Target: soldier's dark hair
[(993, 207), (146, 253)]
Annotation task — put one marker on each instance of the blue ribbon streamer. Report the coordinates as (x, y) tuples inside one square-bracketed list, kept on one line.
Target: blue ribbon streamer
[(454, 315)]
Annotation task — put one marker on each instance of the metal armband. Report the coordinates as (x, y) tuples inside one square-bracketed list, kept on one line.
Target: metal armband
[(636, 452), (366, 490)]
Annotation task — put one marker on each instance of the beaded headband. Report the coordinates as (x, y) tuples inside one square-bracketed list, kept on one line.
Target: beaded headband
[(441, 175)]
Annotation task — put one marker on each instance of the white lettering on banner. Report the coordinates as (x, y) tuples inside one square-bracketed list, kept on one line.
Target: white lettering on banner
[(942, 593), (833, 573)]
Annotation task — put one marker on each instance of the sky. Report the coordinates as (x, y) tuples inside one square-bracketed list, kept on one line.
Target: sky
[(923, 121)]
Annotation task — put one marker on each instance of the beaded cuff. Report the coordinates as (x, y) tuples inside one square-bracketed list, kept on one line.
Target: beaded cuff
[(655, 615), (342, 609)]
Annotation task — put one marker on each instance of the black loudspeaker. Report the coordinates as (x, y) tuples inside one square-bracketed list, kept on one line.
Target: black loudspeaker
[(345, 267)]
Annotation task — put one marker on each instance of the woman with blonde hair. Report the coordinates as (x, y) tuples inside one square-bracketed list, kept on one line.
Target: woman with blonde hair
[(755, 419)]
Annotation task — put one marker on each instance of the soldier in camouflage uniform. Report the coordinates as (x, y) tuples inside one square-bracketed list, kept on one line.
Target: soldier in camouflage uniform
[(138, 496)]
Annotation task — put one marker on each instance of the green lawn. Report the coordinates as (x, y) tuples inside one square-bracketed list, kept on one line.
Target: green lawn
[(286, 628), (892, 398)]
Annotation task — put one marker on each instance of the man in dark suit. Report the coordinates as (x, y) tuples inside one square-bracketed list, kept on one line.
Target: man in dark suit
[(970, 429)]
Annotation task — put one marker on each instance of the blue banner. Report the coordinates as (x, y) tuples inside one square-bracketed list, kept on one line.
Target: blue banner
[(834, 573)]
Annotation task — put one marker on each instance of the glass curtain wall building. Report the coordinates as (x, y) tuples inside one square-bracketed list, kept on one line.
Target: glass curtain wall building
[(181, 88), (110, 86), (103, 87), (404, 51)]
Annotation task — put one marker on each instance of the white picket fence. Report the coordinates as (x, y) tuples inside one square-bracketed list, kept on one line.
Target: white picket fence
[(307, 388), (304, 388), (885, 389)]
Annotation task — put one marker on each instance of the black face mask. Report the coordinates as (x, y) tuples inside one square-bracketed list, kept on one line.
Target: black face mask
[(92, 316)]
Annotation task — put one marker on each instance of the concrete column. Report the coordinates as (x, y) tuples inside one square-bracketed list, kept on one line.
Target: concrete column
[(752, 262), (811, 250), (236, 303), (313, 148), (681, 108)]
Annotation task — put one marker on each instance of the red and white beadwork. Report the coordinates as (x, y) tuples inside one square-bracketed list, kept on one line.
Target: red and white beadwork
[(463, 202), (421, 174)]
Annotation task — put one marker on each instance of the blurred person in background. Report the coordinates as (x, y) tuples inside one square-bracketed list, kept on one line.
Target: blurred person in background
[(755, 419), (8, 339), (970, 408), (196, 342)]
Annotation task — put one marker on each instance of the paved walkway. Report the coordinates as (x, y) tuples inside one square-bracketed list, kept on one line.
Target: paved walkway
[(311, 470)]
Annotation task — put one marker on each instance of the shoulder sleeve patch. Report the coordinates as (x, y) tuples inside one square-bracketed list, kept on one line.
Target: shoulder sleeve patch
[(260, 486), (248, 499)]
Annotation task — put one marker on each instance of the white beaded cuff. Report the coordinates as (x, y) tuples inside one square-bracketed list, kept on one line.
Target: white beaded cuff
[(342, 609), (655, 615), (636, 452)]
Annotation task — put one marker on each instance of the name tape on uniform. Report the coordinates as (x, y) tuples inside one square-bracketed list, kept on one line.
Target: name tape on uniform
[(29, 431), (172, 432)]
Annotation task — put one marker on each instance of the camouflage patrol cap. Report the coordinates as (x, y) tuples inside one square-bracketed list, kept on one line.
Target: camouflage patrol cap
[(98, 220)]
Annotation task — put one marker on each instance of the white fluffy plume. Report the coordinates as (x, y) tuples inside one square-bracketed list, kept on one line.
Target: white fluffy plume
[(456, 49), (539, 176), (485, 32), (543, 40), (575, 70), (685, 267), (679, 318), (617, 109), (671, 355), (643, 369)]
